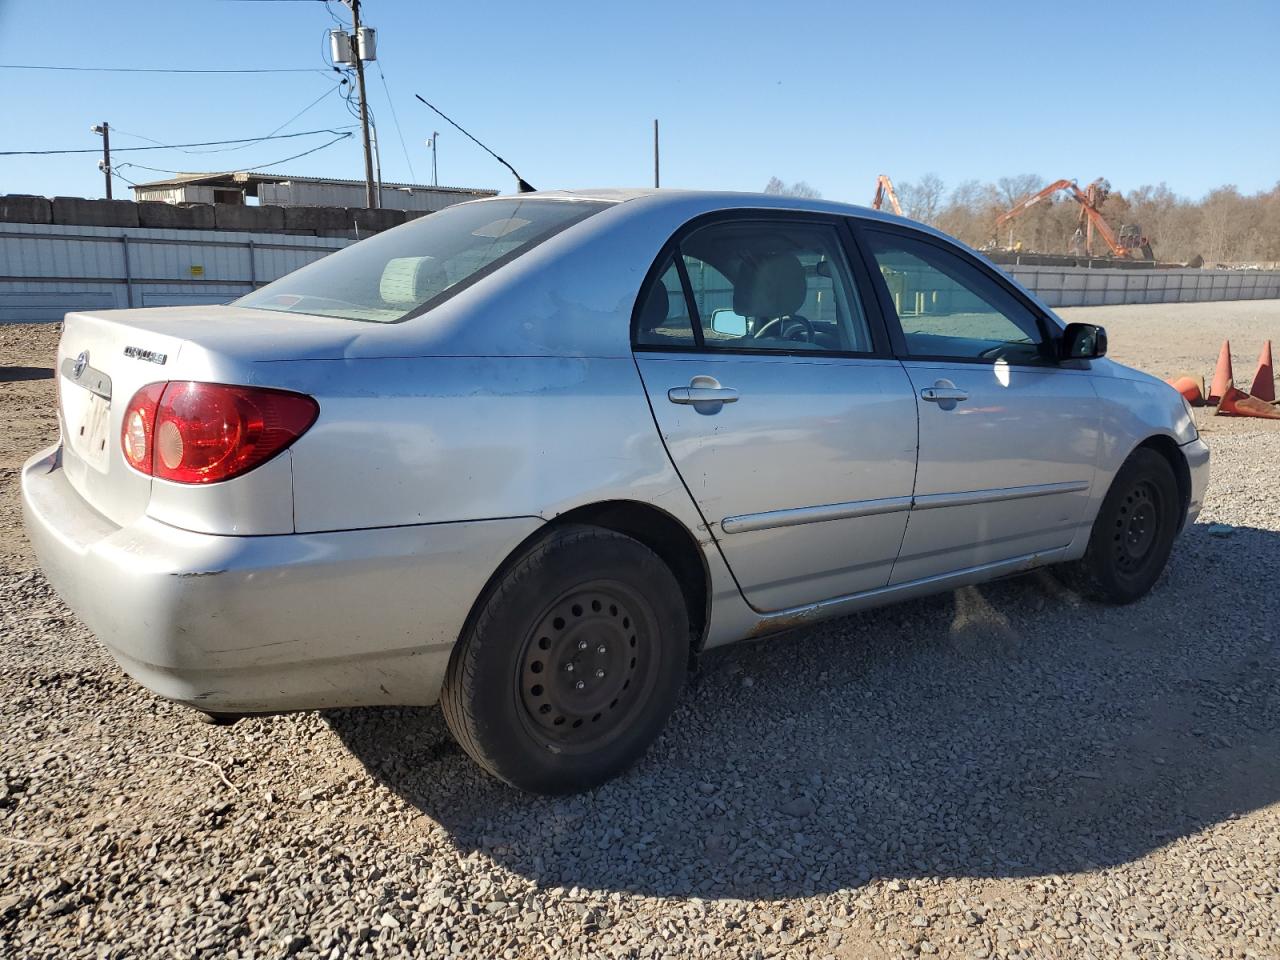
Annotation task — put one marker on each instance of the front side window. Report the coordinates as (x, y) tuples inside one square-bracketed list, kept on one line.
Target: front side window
[(948, 308), (409, 270), (757, 286)]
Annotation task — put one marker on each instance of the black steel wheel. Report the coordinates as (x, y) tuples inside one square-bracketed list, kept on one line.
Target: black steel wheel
[(586, 666), (1136, 528), (572, 663), (1133, 534)]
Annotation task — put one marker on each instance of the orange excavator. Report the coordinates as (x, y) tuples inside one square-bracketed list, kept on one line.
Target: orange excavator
[(1128, 244), (884, 188)]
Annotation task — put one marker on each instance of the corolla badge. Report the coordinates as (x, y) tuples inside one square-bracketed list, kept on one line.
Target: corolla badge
[(151, 356), (82, 362)]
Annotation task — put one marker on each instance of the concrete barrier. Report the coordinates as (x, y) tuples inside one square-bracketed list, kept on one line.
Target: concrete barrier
[(79, 212), (316, 220), (367, 221), (336, 222), (233, 216), (170, 216), (1084, 287), (23, 208)]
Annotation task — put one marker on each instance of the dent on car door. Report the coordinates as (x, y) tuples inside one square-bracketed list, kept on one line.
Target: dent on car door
[(1008, 437), (793, 430)]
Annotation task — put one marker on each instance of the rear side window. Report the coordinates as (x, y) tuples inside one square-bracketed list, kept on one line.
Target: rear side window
[(768, 286), (408, 270), (664, 312), (950, 309)]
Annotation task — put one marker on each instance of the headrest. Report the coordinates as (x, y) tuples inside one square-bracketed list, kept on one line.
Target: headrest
[(773, 287), (406, 281), (654, 312)]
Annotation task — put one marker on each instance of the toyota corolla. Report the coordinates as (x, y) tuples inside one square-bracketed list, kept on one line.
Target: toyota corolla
[(528, 456)]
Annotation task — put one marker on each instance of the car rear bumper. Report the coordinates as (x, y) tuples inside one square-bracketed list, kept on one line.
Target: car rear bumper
[(1197, 454), (259, 624)]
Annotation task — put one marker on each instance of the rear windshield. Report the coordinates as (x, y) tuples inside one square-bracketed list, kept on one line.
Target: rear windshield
[(407, 271)]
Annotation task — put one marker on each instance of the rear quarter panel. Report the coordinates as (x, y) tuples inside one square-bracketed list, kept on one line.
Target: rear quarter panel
[(438, 439)]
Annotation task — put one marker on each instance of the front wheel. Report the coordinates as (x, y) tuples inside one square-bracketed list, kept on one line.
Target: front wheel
[(573, 663), (1133, 534)]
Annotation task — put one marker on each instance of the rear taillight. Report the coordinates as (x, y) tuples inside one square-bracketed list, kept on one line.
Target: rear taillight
[(205, 432)]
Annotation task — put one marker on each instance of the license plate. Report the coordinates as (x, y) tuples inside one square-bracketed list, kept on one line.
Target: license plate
[(89, 437)]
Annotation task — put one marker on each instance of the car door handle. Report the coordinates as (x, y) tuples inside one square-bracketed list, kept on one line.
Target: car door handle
[(943, 394), (704, 393)]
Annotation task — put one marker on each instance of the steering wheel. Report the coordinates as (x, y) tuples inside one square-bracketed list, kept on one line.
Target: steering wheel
[(790, 325)]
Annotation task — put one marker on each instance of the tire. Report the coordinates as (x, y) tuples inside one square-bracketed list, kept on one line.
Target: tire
[(571, 665), (1133, 534)]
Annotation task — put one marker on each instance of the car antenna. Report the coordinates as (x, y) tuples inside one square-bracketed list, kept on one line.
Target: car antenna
[(522, 185)]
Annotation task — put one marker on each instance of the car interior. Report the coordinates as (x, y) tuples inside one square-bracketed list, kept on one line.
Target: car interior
[(756, 287)]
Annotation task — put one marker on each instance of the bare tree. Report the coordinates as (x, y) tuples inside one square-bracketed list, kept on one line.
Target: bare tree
[(1225, 226), (922, 200), (798, 189), (1013, 189)]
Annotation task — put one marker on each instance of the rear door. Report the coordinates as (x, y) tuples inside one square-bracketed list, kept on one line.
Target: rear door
[(1008, 436), (774, 391)]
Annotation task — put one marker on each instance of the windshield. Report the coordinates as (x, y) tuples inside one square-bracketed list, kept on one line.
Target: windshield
[(407, 271)]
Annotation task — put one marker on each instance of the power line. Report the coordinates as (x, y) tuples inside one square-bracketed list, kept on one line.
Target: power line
[(172, 146), (345, 136), (36, 66), (242, 146), (303, 110), (396, 120)]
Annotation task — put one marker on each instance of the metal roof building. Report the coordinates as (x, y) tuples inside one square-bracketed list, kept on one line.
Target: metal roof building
[(286, 191)]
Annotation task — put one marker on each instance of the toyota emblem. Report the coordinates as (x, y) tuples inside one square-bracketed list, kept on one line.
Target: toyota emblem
[(82, 362)]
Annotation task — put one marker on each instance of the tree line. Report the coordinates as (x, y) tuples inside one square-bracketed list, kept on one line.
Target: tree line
[(1224, 226)]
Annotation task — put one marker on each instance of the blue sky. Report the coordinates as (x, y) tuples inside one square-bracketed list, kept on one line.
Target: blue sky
[(828, 92)]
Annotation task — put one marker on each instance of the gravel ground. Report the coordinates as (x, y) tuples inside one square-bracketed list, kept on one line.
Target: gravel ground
[(1004, 771)]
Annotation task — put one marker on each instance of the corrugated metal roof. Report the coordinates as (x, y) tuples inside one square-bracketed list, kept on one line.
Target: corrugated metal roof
[(239, 178)]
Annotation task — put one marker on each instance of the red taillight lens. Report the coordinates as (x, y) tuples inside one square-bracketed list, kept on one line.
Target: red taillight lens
[(205, 432), (139, 426)]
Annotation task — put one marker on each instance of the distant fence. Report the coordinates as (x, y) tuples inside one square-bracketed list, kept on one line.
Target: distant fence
[(1084, 287), (47, 270)]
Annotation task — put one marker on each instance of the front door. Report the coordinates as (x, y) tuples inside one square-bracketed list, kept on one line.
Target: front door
[(789, 423), (1008, 436)]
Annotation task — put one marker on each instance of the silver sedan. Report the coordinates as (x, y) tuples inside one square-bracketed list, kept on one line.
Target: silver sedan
[(527, 457)]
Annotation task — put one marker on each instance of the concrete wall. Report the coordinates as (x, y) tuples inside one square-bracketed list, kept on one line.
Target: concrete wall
[(348, 222), (421, 199), (47, 269), (1082, 287)]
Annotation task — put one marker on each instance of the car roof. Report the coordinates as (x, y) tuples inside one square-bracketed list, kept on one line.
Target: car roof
[(710, 200)]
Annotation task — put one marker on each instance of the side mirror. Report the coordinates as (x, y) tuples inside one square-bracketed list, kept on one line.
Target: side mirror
[(1082, 341), (725, 321)]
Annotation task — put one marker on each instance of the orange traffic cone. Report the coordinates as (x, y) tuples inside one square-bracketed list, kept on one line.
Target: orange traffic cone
[(1222, 376), (1190, 386), (1264, 381), (1237, 403)]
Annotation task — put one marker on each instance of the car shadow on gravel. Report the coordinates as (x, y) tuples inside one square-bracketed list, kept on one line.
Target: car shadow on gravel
[(1005, 730), (14, 374)]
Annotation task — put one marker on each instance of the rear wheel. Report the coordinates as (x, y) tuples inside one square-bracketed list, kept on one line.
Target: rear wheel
[(1133, 534), (572, 664)]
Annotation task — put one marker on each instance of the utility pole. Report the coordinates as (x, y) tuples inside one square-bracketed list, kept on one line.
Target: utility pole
[(370, 195), (377, 163), (655, 152), (103, 130), (435, 180)]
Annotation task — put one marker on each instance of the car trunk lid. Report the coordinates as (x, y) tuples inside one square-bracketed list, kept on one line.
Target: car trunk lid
[(124, 350), (101, 364)]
